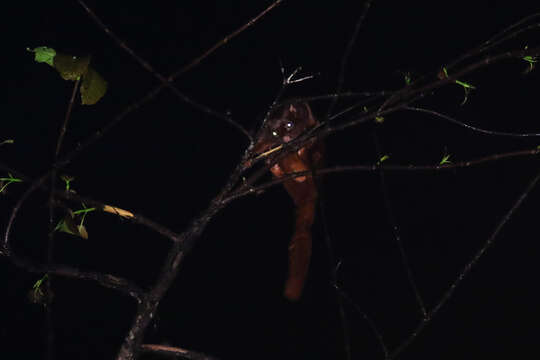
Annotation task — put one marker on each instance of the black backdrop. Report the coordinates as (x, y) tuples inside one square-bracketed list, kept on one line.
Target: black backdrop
[(167, 160)]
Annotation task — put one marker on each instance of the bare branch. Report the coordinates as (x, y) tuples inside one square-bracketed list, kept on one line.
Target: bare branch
[(106, 280), (397, 233), (465, 271), (164, 82), (130, 215), (171, 350), (470, 127), (66, 119), (225, 40), (247, 188), (154, 92), (347, 54)]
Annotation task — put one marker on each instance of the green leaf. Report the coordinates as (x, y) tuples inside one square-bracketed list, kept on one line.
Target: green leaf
[(43, 54), (82, 232), (8, 141), (67, 179), (84, 211), (93, 87), (68, 225), (10, 178), (40, 294), (445, 160), (532, 60), (465, 85), (445, 72), (71, 67), (382, 159), (407, 77), (5, 181), (38, 283)]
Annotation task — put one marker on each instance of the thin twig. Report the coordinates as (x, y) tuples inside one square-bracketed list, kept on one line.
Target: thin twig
[(164, 82), (6, 248), (49, 320), (223, 41), (347, 54), (134, 217), (106, 280), (466, 270), (333, 276), (248, 188), (346, 94), (395, 229), (418, 88), (470, 127), (177, 351), (154, 92), (66, 119), (366, 318), (498, 39)]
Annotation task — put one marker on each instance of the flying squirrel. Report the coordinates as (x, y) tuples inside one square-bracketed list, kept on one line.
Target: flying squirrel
[(285, 123)]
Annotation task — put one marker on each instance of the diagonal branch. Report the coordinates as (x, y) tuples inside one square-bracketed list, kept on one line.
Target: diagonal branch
[(347, 54), (224, 41), (154, 92), (164, 82), (247, 188), (465, 271), (470, 127)]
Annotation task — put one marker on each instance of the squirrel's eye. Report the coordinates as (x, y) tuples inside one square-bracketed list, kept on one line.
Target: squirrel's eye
[(275, 133), (289, 125)]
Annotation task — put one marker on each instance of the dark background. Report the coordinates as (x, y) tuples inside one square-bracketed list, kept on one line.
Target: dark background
[(167, 160)]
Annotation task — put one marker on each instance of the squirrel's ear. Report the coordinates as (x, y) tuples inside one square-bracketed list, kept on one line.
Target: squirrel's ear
[(298, 111), (303, 111)]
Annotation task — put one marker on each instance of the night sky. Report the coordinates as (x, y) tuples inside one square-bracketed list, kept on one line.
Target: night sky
[(167, 160)]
